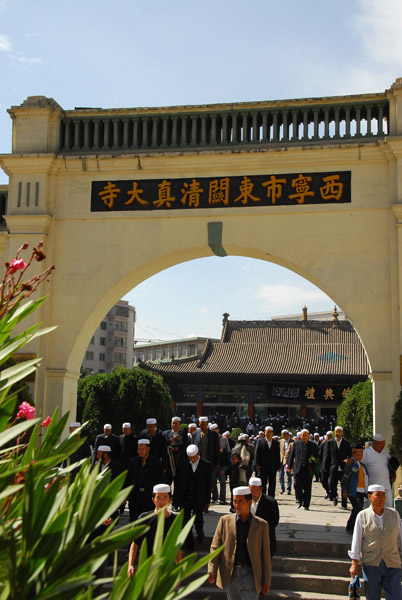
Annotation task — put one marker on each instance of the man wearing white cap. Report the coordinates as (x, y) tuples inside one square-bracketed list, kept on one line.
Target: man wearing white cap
[(376, 459), (176, 444), (268, 460), (336, 452), (161, 497), (145, 472), (266, 508), (104, 458), (157, 442), (107, 438), (284, 444), (192, 491), (377, 543), (300, 453), (207, 441), (243, 568)]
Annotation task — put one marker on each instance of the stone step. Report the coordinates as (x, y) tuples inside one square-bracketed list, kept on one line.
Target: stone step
[(301, 582), (312, 548), (311, 566), (217, 594)]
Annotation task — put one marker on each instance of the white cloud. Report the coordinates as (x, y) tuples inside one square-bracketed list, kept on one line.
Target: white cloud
[(283, 298), (25, 60), (5, 44)]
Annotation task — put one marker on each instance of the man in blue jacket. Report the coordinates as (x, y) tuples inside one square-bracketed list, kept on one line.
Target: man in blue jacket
[(354, 484)]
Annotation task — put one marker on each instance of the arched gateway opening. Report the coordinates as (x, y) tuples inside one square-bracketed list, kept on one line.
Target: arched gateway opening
[(314, 186)]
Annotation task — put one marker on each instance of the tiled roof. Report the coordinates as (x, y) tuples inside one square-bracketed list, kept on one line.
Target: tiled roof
[(277, 348)]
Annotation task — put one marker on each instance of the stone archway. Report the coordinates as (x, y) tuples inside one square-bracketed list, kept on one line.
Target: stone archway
[(349, 247)]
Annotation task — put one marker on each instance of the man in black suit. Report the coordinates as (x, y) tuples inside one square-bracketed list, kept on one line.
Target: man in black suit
[(104, 458), (207, 441), (300, 453), (266, 508), (192, 491), (145, 472), (107, 438), (267, 460), (336, 452), (324, 475), (157, 443), (176, 444)]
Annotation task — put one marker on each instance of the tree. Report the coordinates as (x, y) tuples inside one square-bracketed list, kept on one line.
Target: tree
[(132, 395), (395, 446), (355, 414)]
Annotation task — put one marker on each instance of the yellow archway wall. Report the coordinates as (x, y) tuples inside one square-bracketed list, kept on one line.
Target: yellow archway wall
[(350, 251)]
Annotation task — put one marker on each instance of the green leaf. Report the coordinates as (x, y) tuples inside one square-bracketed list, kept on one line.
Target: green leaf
[(16, 430)]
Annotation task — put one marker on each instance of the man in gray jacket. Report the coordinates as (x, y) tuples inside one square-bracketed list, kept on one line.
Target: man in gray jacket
[(377, 539)]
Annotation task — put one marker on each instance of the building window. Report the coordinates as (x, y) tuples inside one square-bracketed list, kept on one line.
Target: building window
[(102, 341), (92, 340), (89, 355), (101, 370), (119, 341), (149, 354), (192, 349), (183, 351), (121, 326), (141, 355), (122, 311), (102, 357), (165, 353), (157, 354), (119, 357), (175, 352), (103, 325)]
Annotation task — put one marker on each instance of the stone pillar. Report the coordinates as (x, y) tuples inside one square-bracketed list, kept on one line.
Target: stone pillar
[(36, 125), (198, 410), (250, 410), (61, 392)]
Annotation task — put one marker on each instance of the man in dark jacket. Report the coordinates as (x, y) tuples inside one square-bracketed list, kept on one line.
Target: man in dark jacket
[(145, 472), (192, 491), (300, 453), (157, 443), (107, 438), (207, 441), (266, 508), (267, 460), (336, 452), (176, 444)]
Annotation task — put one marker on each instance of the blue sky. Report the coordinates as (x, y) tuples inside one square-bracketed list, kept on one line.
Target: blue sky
[(138, 53)]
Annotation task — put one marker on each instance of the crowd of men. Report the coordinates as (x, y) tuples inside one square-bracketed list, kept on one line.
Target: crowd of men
[(184, 465)]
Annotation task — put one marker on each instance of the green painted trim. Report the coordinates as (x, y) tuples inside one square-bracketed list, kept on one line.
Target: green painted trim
[(215, 231)]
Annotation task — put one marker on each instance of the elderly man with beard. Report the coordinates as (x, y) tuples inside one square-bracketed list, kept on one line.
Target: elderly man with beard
[(377, 543), (176, 444), (376, 459), (300, 453)]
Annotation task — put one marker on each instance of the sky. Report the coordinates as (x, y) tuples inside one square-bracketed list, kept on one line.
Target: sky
[(133, 53)]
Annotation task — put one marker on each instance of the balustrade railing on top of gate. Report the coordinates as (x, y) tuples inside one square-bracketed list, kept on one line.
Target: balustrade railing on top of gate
[(233, 127)]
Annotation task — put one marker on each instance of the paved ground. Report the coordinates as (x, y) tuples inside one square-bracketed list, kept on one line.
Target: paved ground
[(323, 522)]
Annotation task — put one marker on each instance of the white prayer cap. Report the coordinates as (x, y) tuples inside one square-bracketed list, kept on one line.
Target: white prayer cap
[(269, 428), (338, 427), (304, 431), (260, 432), (255, 481), (175, 419), (242, 436), (126, 425), (75, 424), (375, 488), (104, 448), (192, 425), (378, 438), (161, 488), (284, 431), (329, 432), (192, 450), (107, 426), (243, 490), (203, 419), (226, 433), (143, 441), (151, 421), (214, 426)]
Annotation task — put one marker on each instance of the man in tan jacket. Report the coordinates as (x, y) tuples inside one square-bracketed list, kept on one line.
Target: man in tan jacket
[(243, 568)]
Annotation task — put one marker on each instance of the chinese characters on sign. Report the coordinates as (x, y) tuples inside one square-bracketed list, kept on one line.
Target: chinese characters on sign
[(306, 393), (207, 192)]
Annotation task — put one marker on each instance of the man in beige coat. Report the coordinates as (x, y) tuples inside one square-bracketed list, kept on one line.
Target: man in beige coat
[(243, 568)]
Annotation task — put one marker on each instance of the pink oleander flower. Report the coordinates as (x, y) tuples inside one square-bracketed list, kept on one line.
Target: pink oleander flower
[(26, 410), (17, 264), (46, 422)]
